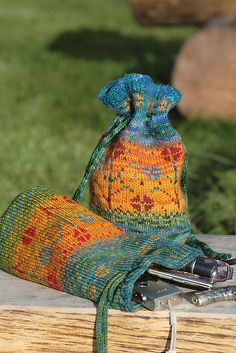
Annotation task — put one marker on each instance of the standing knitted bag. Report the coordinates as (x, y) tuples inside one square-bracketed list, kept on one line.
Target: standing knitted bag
[(50, 239), (138, 170)]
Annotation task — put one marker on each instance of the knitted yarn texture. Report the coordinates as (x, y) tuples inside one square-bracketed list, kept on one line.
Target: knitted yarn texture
[(50, 239), (138, 169), (139, 183)]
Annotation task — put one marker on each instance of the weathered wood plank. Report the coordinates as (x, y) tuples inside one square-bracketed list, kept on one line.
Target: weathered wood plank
[(59, 331), (37, 319)]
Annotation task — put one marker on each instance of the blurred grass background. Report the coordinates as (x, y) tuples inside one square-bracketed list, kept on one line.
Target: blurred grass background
[(54, 58)]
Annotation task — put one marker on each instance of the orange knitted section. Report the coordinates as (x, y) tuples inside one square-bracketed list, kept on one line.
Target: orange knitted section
[(127, 167)]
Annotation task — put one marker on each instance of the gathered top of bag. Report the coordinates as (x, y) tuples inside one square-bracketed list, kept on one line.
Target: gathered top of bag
[(138, 93)]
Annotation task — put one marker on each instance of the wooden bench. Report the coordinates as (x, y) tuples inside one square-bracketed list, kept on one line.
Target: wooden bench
[(36, 319)]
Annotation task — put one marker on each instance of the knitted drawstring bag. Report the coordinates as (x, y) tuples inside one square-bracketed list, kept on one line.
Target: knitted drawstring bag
[(138, 169), (52, 240)]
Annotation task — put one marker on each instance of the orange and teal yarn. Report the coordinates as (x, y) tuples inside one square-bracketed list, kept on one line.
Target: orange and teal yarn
[(52, 240), (138, 169), (139, 181), (40, 235)]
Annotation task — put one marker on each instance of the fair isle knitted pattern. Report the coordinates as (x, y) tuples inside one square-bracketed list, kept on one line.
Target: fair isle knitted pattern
[(52, 240), (138, 169), (140, 182)]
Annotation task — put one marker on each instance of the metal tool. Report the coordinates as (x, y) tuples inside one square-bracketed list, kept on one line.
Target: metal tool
[(155, 294), (231, 262), (202, 298), (181, 277), (217, 270)]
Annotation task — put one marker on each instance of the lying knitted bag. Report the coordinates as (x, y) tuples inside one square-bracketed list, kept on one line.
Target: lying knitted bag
[(50, 239)]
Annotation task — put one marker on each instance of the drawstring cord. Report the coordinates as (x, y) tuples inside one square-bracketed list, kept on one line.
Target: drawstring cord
[(102, 312), (117, 126), (173, 325)]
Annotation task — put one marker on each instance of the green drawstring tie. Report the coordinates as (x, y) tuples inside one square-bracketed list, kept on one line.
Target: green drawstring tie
[(198, 244), (119, 123), (102, 311)]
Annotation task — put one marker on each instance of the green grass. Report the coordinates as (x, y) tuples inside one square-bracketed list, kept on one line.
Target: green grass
[(54, 58)]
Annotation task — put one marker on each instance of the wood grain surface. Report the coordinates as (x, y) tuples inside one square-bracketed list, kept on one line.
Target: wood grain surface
[(37, 319)]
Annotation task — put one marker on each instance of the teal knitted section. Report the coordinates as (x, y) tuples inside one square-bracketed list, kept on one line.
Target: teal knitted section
[(102, 313)]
